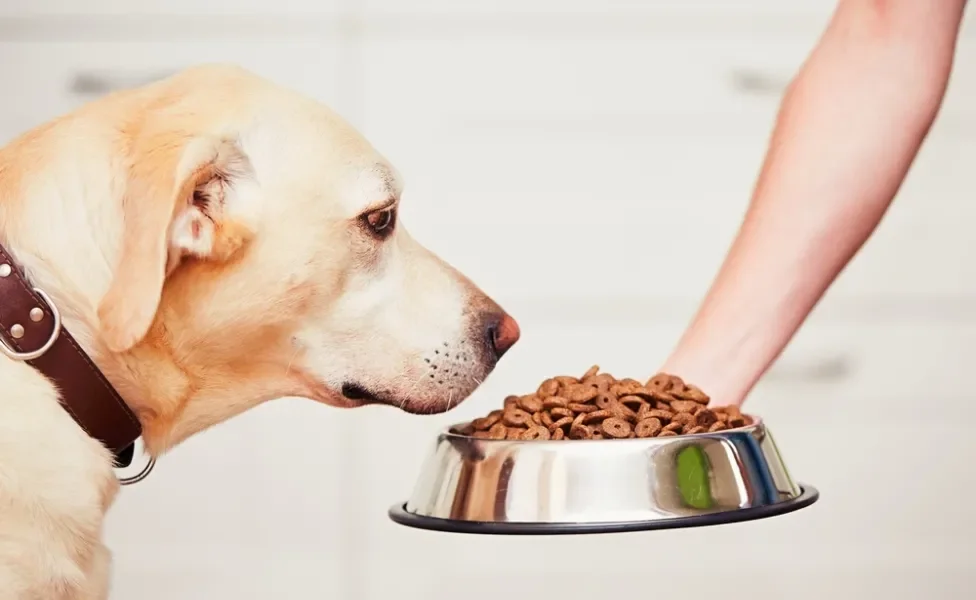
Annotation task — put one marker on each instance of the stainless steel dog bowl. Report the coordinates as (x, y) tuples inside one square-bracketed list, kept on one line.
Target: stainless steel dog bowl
[(473, 485)]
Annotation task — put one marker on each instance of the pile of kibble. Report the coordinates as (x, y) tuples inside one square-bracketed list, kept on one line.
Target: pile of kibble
[(599, 406)]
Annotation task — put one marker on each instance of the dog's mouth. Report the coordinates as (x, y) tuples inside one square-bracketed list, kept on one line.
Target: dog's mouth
[(363, 397)]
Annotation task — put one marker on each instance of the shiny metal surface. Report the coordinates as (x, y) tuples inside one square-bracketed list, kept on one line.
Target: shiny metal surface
[(601, 481)]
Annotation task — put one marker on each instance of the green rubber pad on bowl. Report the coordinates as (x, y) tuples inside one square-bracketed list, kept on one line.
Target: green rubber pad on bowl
[(693, 482)]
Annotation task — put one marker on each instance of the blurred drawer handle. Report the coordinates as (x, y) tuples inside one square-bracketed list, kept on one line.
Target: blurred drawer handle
[(823, 371), (98, 84), (758, 83)]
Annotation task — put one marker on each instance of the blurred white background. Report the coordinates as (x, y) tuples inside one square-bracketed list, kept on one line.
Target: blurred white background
[(586, 162)]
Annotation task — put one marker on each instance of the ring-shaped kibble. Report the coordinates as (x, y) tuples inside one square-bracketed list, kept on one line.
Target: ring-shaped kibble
[(705, 418), (644, 412), (564, 422), (530, 403), (717, 426), (546, 419), (515, 433), (591, 372), (537, 418), (616, 428), (603, 401), (555, 402), (595, 416), (580, 393), (565, 380), (510, 402), (648, 428), (661, 381), (667, 433), (559, 413), (485, 423), (582, 408), (695, 429), (580, 432), (682, 418), (558, 434), (664, 415), (632, 401), (516, 417), (684, 406), (498, 431), (549, 387), (674, 426), (622, 412), (535, 433)]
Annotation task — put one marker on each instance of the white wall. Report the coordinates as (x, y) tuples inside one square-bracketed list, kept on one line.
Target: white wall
[(619, 137)]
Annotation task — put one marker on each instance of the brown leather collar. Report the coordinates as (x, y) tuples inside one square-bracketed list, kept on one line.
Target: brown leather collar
[(31, 331)]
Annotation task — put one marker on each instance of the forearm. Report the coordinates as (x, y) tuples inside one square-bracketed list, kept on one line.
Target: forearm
[(848, 130)]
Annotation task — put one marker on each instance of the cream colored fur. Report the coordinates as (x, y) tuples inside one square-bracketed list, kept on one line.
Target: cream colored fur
[(204, 239)]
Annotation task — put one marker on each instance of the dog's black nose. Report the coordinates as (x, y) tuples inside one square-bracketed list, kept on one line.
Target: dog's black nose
[(502, 334)]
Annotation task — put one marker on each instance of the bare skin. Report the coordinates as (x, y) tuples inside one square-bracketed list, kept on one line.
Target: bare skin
[(848, 130)]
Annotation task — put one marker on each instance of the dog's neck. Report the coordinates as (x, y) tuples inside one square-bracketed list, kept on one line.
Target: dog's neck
[(64, 228)]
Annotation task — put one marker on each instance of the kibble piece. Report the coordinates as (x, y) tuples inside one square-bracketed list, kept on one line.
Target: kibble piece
[(664, 415), (515, 433), (555, 402), (674, 426), (580, 432), (596, 416), (516, 417), (535, 433), (684, 406), (580, 393), (559, 413), (558, 434), (648, 428), (682, 418), (537, 418), (530, 403), (581, 408), (485, 423), (705, 418), (603, 401), (549, 387), (735, 422), (498, 431), (546, 419), (660, 381), (591, 372), (564, 422), (696, 429), (667, 433), (717, 426)]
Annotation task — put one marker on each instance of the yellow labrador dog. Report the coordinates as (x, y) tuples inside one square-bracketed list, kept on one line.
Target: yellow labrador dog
[(210, 241)]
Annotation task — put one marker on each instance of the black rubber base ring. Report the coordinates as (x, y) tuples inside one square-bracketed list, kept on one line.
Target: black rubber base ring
[(808, 495)]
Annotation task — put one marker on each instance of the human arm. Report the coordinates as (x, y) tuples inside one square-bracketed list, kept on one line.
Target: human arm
[(849, 127)]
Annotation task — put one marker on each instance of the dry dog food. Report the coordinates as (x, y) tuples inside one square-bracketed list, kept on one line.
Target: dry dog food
[(599, 406)]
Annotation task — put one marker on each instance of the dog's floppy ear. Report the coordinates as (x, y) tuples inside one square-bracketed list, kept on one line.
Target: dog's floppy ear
[(180, 201)]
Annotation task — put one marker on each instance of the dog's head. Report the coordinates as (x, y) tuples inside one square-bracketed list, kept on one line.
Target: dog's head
[(262, 255)]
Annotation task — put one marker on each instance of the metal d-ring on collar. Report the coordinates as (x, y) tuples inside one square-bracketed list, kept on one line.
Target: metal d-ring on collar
[(146, 470)]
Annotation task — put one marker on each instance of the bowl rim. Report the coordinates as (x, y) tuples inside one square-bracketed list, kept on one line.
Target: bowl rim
[(757, 423), (399, 514)]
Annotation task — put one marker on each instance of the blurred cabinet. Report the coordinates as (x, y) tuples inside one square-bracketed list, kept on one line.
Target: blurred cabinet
[(126, 8), (51, 78)]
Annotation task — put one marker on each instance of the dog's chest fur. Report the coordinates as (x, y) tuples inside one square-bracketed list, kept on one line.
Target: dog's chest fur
[(56, 484)]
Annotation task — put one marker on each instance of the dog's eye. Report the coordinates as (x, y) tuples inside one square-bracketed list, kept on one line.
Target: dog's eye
[(381, 222)]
